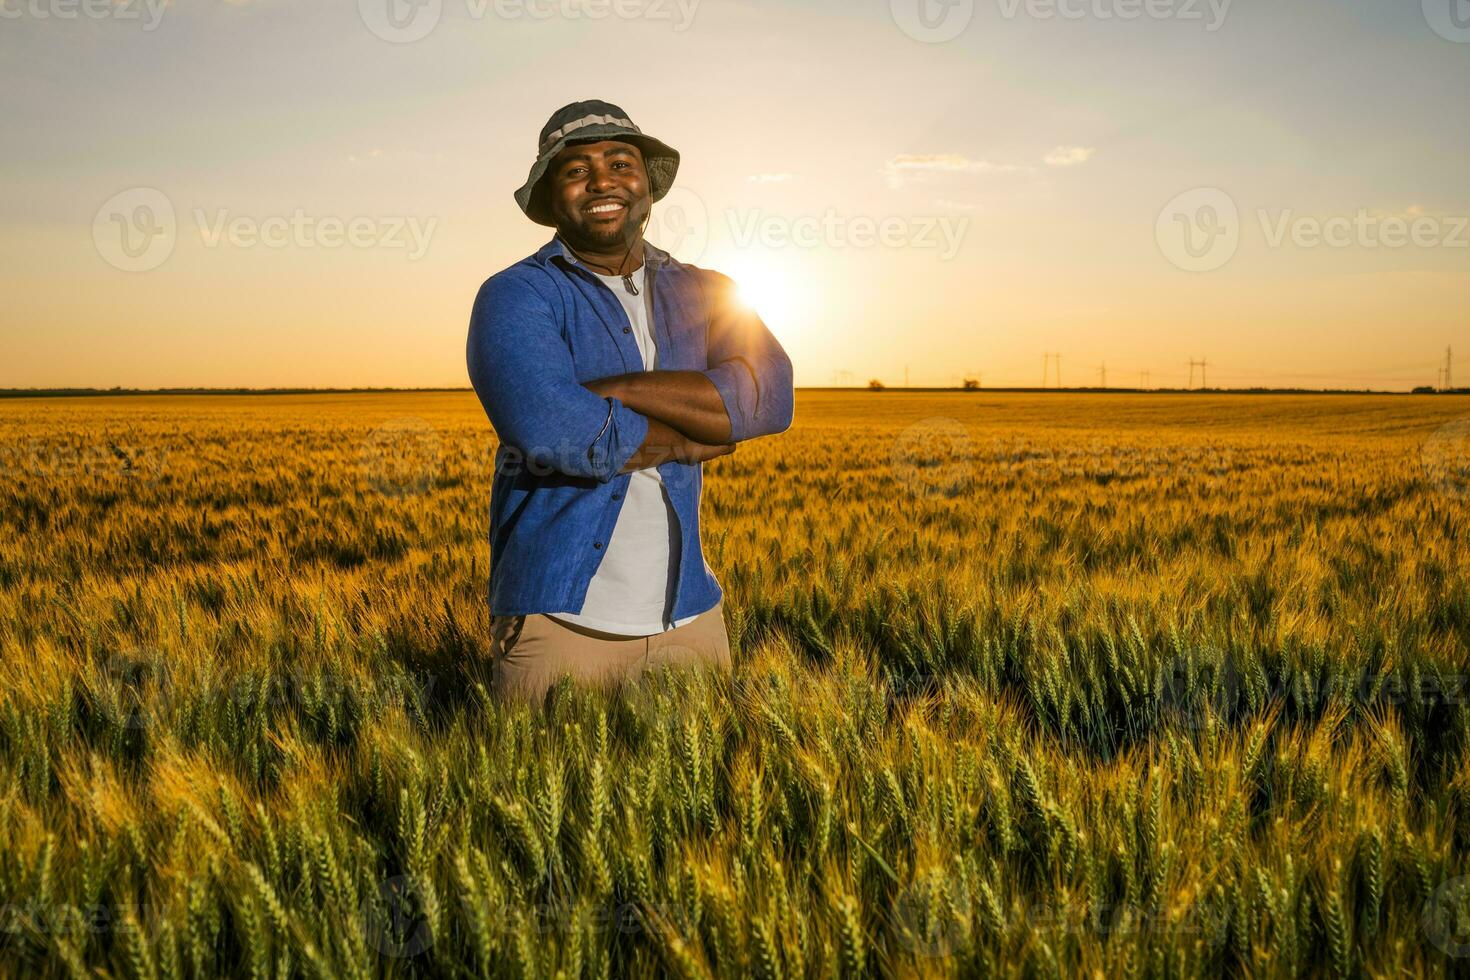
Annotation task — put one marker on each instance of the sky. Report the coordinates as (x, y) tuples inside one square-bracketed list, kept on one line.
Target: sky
[(273, 193)]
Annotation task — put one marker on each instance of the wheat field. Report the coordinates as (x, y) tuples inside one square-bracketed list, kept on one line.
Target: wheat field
[(1041, 685)]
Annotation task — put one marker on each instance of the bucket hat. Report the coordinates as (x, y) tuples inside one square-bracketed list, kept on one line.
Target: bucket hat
[(591, 121)]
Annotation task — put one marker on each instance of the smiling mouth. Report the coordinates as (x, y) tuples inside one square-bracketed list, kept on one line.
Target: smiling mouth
[(606, 208)]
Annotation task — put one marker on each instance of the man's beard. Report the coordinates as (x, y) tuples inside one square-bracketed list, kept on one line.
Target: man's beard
[(605, 240), (593, 239)]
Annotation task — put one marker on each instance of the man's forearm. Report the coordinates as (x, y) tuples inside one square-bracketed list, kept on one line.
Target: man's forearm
[(665, 444), (686, 401)]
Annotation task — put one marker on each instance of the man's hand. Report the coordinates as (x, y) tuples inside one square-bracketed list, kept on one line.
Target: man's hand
[(665, 444), (685, 401)]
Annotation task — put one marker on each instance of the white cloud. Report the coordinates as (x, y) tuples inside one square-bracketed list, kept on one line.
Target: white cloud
[(1067, 156)]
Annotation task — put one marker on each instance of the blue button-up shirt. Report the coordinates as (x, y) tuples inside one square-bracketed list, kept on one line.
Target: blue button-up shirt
[(542, 328)]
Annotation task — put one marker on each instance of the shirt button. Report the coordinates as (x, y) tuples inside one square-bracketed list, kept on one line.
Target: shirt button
[(627, 330), (597, 544), (617, 496)]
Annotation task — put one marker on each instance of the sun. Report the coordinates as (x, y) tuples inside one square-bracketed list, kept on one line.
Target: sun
[(778, 291), (767, 295)]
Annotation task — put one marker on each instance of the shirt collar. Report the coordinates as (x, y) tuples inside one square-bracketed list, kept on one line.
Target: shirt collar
[(556, 249)]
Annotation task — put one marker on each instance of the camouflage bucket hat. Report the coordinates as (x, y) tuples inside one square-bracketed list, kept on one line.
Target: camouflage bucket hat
[(589, 122)]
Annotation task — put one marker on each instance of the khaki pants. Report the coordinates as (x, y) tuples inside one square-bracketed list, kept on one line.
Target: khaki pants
[(528, 653)]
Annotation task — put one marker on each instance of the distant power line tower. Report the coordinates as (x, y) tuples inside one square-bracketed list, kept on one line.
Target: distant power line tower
[(1143, 379), (1203, 378), (841, 379), (1103, 374), (1449, 369), (1046, 362)]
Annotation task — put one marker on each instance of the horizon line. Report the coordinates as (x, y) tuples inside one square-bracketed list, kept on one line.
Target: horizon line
[(1083, 389)]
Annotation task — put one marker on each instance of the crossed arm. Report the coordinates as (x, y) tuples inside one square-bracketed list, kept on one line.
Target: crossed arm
[(523, 373), (687, 420), (698, 415)]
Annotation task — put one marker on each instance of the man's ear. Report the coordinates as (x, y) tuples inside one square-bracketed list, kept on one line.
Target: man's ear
[(541, 196)]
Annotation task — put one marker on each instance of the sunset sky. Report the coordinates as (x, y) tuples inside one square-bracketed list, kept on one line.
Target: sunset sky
[(1059, 175)]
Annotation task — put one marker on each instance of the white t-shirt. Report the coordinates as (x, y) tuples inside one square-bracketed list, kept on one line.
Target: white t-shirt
[(632, 590)]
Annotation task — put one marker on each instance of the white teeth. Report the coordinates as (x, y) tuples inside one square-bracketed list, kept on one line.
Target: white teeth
[(601, 208)]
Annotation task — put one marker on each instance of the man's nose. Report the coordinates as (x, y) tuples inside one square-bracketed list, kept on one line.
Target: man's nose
[(599, 179)]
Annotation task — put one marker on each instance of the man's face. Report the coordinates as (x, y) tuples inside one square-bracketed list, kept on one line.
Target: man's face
[(598, 193)]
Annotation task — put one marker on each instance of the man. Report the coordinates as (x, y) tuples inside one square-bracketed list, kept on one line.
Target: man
[(610, 372)]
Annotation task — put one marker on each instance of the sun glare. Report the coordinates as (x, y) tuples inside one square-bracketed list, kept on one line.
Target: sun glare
[(777, 290)]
